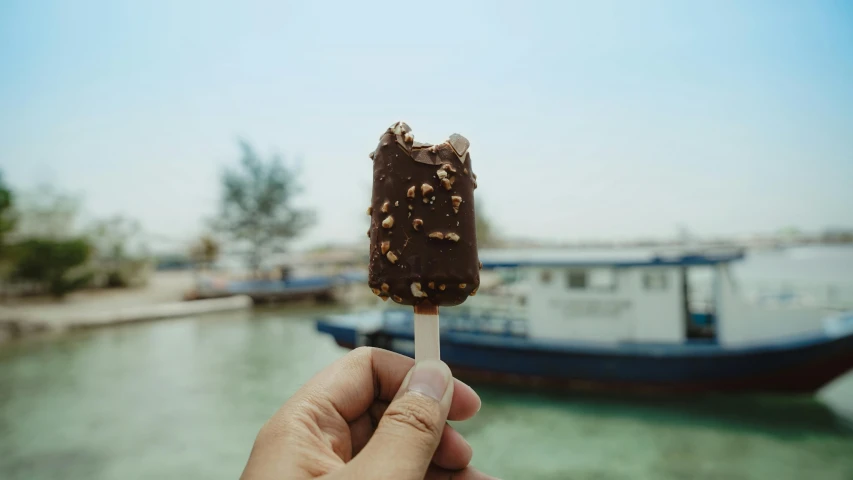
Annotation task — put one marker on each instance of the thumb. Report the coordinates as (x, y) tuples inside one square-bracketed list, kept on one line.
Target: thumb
[(409, 432)]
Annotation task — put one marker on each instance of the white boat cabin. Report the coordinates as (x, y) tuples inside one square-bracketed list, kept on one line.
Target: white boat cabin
[(649, 298)]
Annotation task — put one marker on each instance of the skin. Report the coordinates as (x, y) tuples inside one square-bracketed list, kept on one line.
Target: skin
[(369, 415)]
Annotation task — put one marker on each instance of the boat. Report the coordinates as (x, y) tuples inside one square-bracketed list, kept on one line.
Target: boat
[(266, 290), (322, 276), (672, 322)]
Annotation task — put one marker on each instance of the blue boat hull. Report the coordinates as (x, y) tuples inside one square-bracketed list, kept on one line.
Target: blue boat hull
[(798, 366), (320, 288)]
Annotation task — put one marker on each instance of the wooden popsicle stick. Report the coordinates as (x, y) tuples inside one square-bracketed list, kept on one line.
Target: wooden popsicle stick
[(427, 340)]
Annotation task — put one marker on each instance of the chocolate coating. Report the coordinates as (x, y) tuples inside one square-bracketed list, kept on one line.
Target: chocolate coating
[(429, 226)]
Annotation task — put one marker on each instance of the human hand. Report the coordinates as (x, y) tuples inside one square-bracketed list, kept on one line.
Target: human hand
[(369, 415)]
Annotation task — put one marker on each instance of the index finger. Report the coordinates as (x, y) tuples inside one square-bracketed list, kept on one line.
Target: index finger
[(366, 374)]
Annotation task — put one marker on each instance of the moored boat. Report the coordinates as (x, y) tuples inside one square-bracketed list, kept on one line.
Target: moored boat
[(637, 323)]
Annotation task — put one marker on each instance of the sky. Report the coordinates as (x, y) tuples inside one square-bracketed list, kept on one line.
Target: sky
[(587, 120)]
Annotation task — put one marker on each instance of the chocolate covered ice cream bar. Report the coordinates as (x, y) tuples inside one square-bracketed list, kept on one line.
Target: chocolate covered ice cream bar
[(423, 240)]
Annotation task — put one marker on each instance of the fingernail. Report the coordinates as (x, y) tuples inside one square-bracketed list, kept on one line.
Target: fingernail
[(430, 378)]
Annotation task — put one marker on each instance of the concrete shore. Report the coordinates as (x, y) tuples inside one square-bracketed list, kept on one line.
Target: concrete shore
[(159, 299)]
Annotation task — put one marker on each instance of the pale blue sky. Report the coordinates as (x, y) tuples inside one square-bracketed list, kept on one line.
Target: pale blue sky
[(587, 119)]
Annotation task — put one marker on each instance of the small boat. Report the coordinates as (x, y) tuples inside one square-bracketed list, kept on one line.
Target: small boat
[(322, 288), (319, 288), (324, 277), (641, 323)]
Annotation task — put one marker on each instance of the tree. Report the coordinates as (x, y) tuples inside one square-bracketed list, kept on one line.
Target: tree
[(257, 205), (43, 251), (118, 250), (54, 264), (7, 215), (205, 252)]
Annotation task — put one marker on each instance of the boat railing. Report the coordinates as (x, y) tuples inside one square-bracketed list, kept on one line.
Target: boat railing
[(492, 321), (464, 319), (782, 294), (830, 296)]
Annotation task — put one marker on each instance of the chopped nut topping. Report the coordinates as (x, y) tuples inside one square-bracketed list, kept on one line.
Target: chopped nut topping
[(384, 208), (463, 285), (436, 235), (473, 292), (385, 287), (397, 299), (371, 154), (457, 200), (441, 174), (447, 166), (426, 200), (416, 290), (411, 207), (384, 299), (375, 291), (442, 287), (431, 285), (481, 265), (388, 222), (447, 184), (452, 236), (410, 193), (397, 203), (385, 246), (370, 210), (426, 189), (465, 171), (391, 257), (409, 137), (417, 223), (459, 144), (400, 128)]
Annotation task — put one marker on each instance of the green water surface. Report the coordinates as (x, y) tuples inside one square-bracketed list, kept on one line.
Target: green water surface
[(185, 398)]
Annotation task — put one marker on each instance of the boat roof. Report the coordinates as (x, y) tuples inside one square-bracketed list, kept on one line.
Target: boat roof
[(514, 258)]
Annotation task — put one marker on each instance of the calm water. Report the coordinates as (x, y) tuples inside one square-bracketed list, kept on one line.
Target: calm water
[(184, 399)]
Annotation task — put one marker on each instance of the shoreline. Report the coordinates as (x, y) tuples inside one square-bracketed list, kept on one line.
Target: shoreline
[(160, 298)]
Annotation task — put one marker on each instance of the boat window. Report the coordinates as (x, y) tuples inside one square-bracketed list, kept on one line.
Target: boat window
[(654, 280), (602, 279), (545, 276), (576, 279)]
